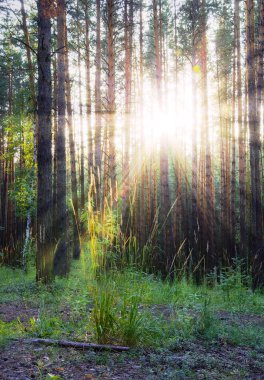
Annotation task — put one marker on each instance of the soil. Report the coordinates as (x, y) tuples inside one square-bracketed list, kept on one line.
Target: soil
[(22, 361), (14, 310), (193, 360)]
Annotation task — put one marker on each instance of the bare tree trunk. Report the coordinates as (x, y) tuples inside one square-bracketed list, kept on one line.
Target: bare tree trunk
[(142, 163), (254, 133), (210, 249), (61, 260), (234, 148), (128, 20), (55, 142), (75, 203), (111, 101), (242, 138), (79, 30), (255, 143), (44, 257), (98, 111), (34, 105), (91, 171)]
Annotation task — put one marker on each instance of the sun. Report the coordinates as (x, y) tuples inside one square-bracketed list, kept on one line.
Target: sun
[(171, 119)]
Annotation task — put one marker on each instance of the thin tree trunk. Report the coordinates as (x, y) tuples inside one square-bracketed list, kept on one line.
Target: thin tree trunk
[(211, 259), (241, 137), (61, 261), (254, 133), (75, 203), (91, 171), (34, 106), (128, 63), (111, 109), (98, 111), (79, 30), (258, 260), (44, 257)]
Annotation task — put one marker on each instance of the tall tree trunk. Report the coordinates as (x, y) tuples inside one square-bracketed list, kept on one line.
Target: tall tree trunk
[(241, 137), (128, 20), (75, 203), (44, 257), (111, 107), (61, 260), (55, 141), (209, 202), (98, 110), (79, 31), (142, 162), (254, 132), (255, 142), (91, 171), (34, 106), (194, 223), (234, 148)]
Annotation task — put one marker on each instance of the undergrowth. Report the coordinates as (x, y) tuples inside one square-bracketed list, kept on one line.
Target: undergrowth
[(132, 308)]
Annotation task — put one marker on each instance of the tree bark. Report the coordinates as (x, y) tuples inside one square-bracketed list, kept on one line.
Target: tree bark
[(75, 203), (254, 132), (98, 111), (44, 257), (61, 260)]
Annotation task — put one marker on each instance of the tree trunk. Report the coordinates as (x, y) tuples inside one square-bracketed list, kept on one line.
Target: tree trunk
[(111, 107), (128, 63), (44, 257), (98, 111), (209, 202), (61, 261), (34, 106), (241, 138), (255, 144), (75, 203), (91, 171), (254, 133)]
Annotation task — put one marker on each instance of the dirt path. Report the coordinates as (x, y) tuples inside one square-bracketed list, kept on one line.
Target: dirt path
[(199, 360), (20, 361)]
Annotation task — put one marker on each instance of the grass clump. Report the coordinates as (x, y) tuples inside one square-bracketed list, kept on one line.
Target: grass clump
[(103, 315), (117, 318)]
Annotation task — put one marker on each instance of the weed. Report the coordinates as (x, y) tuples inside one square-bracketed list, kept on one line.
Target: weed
[(205, 323), (104, 315), (131, 321), (45, 326), (10, 330)]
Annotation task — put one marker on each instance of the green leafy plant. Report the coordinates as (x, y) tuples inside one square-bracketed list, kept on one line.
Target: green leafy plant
[(50, 376)]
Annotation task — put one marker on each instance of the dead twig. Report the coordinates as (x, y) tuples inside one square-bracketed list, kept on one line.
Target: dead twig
[(78, 345)]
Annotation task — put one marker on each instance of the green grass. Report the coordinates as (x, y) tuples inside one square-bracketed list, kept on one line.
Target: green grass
[(131, 307)]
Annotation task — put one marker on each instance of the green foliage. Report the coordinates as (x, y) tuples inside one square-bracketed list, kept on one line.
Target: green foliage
[(114, 317), (45, 326), (104, 315), (53, 377), (20, 142), (23, 194), (131, 321), (9, 330), (206, 324), (133, 308)]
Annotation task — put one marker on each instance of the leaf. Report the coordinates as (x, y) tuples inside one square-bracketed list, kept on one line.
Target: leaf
[(50, 376)]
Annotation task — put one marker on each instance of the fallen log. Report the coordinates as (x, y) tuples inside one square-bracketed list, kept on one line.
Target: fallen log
[(78, 345)]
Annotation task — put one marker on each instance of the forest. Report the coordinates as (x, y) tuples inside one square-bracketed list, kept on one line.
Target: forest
[(131, 189)]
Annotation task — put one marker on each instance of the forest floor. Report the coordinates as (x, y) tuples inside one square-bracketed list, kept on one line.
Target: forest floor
[(176, 330)]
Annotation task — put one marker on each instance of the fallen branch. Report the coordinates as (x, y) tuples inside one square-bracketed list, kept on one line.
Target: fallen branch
[(78, 345)]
